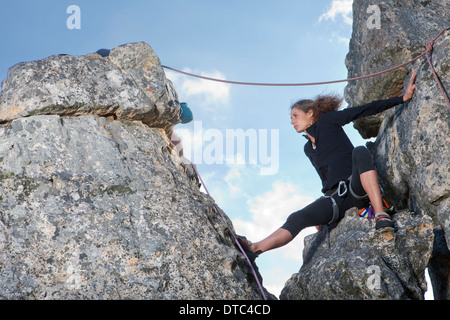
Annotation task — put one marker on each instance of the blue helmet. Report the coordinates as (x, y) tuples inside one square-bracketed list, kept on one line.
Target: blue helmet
[(186, 113)]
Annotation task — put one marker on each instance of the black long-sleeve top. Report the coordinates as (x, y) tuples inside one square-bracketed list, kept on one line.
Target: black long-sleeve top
[(332, 157)]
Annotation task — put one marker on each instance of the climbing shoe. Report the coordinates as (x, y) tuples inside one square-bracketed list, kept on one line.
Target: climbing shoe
[(245, 244), (383, 220)]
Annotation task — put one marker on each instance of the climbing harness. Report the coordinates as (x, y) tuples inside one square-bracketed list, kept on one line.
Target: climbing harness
[(341, 191), (427, 52), (334, 206), (335, 209), (233, 235), (354, 195)]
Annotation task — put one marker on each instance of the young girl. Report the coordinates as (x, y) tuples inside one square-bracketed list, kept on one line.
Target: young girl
[(336, 161)]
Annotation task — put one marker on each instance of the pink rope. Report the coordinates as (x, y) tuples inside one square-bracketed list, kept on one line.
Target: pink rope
[(233, 235), (429, 47)]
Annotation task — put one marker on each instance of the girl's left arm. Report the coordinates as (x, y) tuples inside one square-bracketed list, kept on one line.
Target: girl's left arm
[(411, 87), (348, 115)]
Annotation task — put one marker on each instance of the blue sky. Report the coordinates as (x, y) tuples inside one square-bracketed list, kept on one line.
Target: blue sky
[(257, 41)]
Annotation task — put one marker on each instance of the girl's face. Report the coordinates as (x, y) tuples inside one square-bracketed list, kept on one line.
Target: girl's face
[(300, 119)]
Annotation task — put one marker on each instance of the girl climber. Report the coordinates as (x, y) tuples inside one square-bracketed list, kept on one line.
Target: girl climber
[(335, 160)]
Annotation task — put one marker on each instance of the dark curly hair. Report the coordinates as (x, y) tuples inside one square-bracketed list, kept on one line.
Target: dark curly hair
[(320, 105)]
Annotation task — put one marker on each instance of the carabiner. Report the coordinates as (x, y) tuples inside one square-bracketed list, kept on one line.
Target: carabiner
[(339, 190)]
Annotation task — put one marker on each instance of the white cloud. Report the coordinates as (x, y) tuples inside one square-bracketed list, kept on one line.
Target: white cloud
[(269, 212), (233, 175), (339, 7), (339, 39), (210, 90)]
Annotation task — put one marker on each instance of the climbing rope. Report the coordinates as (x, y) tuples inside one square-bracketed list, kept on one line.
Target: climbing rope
[(429, 48), (233, 235), (427, 52)]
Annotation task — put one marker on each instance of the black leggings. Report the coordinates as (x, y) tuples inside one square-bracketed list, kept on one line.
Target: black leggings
[(320, 212)]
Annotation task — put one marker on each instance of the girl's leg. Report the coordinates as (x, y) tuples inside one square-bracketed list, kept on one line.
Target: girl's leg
[(317, 213), (365, 181), (277, 239), (369, 181)]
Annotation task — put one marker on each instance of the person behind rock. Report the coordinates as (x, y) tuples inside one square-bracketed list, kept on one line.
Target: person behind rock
[(103, 52), (185, 117), (335, 160), (185, 114)]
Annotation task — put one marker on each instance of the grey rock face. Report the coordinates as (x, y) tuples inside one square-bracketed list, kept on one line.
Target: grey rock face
[(412, 148), (99, 209), (130, 84), (405, 28), (362, 263)]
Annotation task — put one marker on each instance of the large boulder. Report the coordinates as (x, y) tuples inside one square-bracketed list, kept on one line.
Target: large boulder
[(412, 146), (404, 29), (355, 262), (128, 84), (93, 208)]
